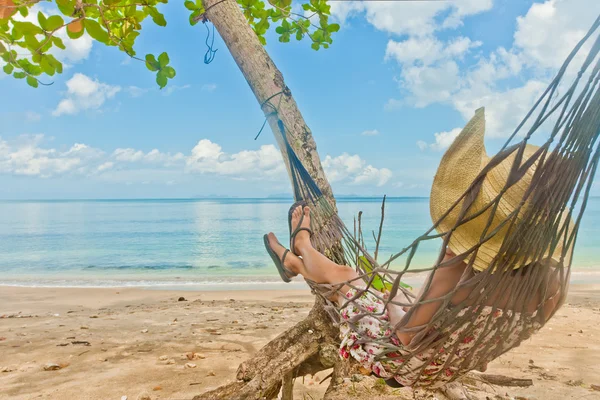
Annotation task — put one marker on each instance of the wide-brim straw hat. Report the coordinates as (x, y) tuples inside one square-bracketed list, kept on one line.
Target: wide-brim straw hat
[(459, 167)]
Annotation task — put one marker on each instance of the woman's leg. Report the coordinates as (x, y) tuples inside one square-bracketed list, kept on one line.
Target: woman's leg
[(321, 270), (318, 268)]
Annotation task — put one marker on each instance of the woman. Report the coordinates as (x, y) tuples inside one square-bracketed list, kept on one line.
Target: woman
[(363, 339)]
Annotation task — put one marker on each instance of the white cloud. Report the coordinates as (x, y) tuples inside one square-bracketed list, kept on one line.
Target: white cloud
[(31, 116), (174, 88), (438, 71), (75, 49), (352, 169), (209, 157), (32, 156), (25, 156), (443, 140), (431, 84), (128, 155), (154, 156), (504, 109), (550, 30), (427, 50), (371, 132), (135, 91), (209, 87), (411, 18), (84, 93), (105, 166), (430, 72), (372, 175)]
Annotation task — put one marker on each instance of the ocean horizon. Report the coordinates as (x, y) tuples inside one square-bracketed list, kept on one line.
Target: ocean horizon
[(200, 243)]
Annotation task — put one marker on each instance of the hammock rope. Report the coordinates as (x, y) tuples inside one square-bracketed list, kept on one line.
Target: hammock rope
[(545, 222)]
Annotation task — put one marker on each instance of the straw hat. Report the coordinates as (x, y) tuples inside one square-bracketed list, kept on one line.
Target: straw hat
[(459, 167)]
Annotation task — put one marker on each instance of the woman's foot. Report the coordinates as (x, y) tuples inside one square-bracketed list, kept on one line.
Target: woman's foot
[(291, 262), (302, 239)]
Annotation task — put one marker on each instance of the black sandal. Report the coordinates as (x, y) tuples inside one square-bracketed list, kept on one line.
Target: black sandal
[(299, 227), (285, 273)]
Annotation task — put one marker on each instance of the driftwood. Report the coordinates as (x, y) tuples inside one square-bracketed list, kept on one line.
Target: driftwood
[(501, 380)]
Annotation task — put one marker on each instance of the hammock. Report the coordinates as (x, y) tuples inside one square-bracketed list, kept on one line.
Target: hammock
[(549, 218)]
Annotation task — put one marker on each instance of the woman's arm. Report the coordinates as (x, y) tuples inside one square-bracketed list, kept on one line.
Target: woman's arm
[(443, 281)]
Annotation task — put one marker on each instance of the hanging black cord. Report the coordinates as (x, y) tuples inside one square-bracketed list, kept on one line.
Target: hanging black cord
[(210, 52), (274, 112)]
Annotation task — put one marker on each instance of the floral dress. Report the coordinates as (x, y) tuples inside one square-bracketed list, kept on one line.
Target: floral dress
[(371, 341)]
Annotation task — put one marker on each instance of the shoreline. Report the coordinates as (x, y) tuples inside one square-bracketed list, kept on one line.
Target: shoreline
[(218, 283)]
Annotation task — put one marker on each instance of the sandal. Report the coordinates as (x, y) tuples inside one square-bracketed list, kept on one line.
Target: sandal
[(299, 227), (285, 273)]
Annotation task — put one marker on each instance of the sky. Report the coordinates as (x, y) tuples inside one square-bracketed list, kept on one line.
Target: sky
[(383, 102)]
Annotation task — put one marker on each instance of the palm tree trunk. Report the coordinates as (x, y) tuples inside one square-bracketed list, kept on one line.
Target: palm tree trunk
[(311, 345)]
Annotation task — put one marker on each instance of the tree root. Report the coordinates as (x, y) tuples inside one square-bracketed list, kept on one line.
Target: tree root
[(307, 348)]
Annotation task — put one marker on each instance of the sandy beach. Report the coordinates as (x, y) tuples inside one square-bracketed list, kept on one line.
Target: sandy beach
[(60, 343)]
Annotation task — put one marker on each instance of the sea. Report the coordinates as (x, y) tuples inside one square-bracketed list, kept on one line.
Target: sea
[(200, 244)]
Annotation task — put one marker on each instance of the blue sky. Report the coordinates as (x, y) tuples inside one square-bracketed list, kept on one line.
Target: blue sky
[(383, 103)]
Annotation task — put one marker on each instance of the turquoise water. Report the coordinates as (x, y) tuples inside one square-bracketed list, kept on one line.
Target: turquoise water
[(192, 242)]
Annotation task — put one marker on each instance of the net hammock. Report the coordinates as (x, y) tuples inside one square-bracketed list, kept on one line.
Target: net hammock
[(533, 241)]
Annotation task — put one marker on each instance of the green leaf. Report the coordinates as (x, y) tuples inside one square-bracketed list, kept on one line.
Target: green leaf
[(378, 283), (25, 28), (8, 69), (151, 63), (161, 79), (42, 20), (130, 11), (315, 46), (157, 17), (54, 22), (95, 31), (31, 81), (19, 75), (58, 42), (261, 27), (190, 5), (54, 62), (163, 60), (47, 67), (66, 7), (31, 42), (193, 17), (24, 11), (169, 72), (333, 28)]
